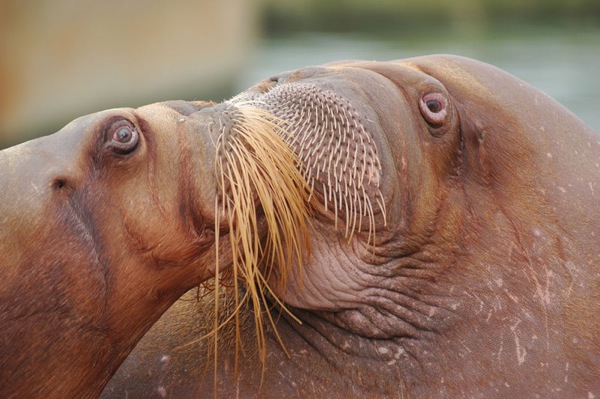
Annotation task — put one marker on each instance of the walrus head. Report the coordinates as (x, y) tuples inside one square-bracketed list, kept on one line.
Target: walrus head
[(377, 172)]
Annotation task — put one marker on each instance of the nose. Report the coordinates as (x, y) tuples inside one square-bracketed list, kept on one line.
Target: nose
[(30, 173)]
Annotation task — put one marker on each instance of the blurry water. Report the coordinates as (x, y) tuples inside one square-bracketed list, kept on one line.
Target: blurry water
[(566, 66)]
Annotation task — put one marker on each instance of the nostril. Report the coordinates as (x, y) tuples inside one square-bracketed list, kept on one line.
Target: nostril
[(59, 183)]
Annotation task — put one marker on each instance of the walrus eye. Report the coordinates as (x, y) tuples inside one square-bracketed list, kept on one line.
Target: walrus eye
[(433, 107), (124, 137)]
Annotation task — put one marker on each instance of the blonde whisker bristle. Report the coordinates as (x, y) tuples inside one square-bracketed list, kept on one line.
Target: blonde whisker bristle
[(257, 168)]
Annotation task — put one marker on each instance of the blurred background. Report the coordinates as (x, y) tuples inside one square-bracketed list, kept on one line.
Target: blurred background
[(61, 59)]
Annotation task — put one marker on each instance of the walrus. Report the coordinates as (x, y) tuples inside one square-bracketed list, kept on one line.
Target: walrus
[(441, 240)]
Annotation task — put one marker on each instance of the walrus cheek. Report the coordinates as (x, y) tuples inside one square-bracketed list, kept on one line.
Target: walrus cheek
[(146, 197), (42, 258), (137, 223), (359, 297), (335, 281)]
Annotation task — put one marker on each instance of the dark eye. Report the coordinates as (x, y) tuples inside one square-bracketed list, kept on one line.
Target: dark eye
[(433, 107), (124, 137)]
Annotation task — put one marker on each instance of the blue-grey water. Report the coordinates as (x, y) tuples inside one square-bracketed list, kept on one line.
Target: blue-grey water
[(564, 65)]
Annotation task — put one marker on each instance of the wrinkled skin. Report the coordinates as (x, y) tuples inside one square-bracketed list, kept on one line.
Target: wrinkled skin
[(482, 281)]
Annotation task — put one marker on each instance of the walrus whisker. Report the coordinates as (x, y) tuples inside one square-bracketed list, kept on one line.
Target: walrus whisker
[(217, 280), (369, 209), (221, 324), (259, 169), (361, 211), (270, 316)]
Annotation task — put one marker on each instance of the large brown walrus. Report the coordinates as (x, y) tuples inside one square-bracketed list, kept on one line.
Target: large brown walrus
[(418, 228)]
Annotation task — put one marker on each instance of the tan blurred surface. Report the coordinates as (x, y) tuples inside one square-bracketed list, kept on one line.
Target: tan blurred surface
[(60, 59)]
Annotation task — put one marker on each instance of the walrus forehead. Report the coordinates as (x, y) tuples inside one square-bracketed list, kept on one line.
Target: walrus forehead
[(448, 69), (343, 65), (182, 108), (452, 72)]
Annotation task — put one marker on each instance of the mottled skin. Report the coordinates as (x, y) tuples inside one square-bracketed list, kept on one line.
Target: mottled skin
[(483, 283), (483, 280)]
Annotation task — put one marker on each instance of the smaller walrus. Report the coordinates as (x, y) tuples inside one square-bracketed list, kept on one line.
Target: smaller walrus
[(106, 223), (416, 228)]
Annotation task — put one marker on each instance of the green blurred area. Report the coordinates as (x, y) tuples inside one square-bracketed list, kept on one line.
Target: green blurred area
[(427, 17), (60, 60), (552, 44)]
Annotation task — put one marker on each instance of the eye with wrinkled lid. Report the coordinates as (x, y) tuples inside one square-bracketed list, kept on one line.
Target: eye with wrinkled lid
[(124, 137), (433, 107)]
